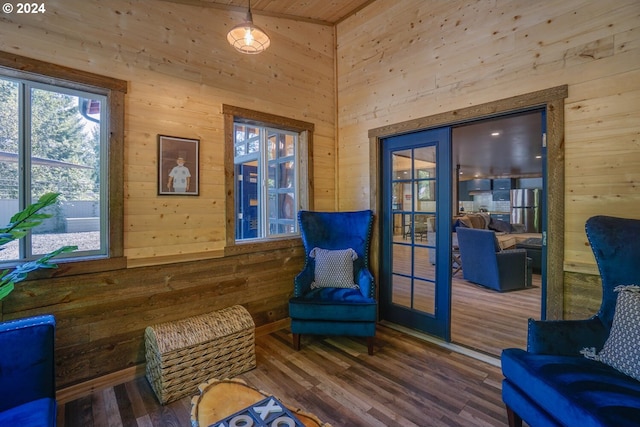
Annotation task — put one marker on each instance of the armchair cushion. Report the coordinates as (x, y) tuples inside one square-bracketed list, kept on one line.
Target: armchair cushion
[(37, 413), (574, 391), (622, 349), (333, 268), (334, 304), (27, 372)]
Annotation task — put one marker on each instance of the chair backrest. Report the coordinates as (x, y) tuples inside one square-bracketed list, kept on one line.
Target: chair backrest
[(616, 246), (338, 230), (27, 370), (478, 250)]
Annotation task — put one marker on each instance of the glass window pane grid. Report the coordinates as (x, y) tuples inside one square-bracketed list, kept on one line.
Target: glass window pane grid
[(407, 180), (277, 176), (51, 148)]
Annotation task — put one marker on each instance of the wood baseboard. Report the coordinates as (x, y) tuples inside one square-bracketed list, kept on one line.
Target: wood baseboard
[(129, 374)]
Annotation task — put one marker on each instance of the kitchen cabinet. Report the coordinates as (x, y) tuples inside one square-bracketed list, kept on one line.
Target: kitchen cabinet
[(503, 184), (479, 185), (463, 192), (501, 195)]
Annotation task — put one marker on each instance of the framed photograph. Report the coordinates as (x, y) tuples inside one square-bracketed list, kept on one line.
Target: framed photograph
[(178, 170)]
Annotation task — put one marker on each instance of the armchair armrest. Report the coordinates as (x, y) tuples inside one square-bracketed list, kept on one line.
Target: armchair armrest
[(514, 267), (27, 360), (565, 337), (302, 282), (364, 279)]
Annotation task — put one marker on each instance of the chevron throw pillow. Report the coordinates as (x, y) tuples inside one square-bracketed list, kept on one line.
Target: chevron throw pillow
[(334, 268), (622, 349)]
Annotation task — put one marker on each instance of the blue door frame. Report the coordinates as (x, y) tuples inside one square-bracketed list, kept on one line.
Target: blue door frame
[(401, 240)]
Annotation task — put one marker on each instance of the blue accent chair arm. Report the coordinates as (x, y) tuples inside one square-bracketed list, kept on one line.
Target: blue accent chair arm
[(565, 337), (366, 283), (27, 368), (302, 282)]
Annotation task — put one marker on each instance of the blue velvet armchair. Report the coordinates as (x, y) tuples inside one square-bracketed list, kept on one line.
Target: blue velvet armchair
[(484, 263), (552, 383), (27, 381), (330, 308)]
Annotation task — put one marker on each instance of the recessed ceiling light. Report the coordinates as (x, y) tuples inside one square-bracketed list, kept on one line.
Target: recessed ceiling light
[(538, 157), (495, 133)]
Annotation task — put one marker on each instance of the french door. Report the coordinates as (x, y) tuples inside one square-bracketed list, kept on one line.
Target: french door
[(415, 279)]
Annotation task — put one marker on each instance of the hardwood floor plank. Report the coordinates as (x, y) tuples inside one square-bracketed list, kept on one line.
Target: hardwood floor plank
[(77, 413), (124, 406), (407, 382)]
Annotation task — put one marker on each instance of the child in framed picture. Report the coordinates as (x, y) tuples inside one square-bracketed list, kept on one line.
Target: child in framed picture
[(179, 177)]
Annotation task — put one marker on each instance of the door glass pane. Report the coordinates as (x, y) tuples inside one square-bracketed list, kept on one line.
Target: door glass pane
[(413, 251), (424, 296), (402, 259), (401, 290)]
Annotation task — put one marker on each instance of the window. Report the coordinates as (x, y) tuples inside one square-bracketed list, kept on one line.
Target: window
[(65, 137), (270, 169), (266, 185)]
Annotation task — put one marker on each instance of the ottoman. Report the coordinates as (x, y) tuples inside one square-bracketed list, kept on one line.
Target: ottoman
[(185, 353)]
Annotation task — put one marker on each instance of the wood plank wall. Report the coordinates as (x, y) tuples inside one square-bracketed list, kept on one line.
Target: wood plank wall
[(101, 317), (398, 61), (180, 71)]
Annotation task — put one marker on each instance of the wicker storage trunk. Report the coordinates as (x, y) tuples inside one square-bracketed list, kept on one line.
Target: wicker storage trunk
[(182, 354)]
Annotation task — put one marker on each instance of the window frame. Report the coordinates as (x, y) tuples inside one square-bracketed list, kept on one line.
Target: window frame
[(23, 68), (304, 172)]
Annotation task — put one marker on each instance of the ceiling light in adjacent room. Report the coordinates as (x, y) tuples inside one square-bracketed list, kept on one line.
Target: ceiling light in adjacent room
[(247, 38)]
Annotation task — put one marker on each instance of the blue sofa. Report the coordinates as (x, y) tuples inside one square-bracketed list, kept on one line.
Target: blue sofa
[(552, 383), (27, 380), (484, 263)]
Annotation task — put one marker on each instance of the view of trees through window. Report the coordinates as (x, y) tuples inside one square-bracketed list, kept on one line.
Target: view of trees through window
[(50, 141)]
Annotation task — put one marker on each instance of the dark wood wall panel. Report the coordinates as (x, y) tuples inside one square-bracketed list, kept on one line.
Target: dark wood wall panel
[(582, 295), (101, 317)]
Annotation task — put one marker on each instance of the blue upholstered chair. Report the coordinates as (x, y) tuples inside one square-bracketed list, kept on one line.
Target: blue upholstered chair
[(552, 383), (335, 292), (27, 381), (484, 263)]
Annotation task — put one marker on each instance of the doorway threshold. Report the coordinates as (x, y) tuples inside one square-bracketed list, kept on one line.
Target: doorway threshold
[(483, 357)]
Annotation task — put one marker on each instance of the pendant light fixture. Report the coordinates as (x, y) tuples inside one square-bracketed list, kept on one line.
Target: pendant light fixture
[(247, 38)]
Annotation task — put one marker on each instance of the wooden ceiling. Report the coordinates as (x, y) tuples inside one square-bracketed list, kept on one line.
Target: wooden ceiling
[(324, 12)]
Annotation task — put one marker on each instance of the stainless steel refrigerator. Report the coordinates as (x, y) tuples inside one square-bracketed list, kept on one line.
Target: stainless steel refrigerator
[(525, 209)]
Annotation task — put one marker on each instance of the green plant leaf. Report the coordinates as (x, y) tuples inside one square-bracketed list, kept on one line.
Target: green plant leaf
[(28, 218), (20, 272), (6, 290), (19, 226)]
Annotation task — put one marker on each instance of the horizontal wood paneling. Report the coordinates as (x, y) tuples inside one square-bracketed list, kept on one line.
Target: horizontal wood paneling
[(101, 317), (399, 61)]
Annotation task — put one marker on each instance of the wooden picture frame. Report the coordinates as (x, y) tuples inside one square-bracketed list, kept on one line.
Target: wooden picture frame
[(178, 166)]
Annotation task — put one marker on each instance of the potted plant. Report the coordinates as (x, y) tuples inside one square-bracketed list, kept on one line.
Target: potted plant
[(18, 227)]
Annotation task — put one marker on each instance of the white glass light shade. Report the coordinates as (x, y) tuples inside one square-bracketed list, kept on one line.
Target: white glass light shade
[(247, 38)]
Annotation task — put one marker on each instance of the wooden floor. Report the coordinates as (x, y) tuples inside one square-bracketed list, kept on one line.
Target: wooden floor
[(481, 318), (407, 382), (488, 321)]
